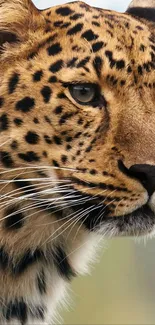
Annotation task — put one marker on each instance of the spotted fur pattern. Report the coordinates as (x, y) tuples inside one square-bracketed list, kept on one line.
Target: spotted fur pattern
[(65, 177)]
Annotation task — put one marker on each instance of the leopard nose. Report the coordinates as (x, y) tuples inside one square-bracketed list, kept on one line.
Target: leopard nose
[(146, 175)]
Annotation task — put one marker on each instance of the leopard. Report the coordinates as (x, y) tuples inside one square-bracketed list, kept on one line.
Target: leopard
[(77, 149)]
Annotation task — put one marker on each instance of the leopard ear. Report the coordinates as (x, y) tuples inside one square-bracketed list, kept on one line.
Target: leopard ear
[(144, 9), (17, 18)]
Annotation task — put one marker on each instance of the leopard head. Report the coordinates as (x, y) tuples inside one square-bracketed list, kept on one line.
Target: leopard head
[(77, 96)]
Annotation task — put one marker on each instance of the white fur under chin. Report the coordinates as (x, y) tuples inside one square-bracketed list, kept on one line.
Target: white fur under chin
[(80, 259), (86, 254)]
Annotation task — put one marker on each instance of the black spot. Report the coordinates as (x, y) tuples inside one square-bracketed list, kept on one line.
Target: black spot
[(68, 147), (65, 117), (55, 163), (29, 156), (25, 104), (64, 133), (1, 101), (58, 23), (78, 152), (54, 49), (97, 63), (32, 137), (25, 186), (83, 62), (76, 48), (87, 125), (35, 120), (13, 219), (64, 11), (80, 121), (4, 122), (62, 264), (122, 82), (61, 95), (47, 41), (13, 82), (47, 139), (64, 159), (53, 79), (45, 154), (37, 76), (41, 282), (74, 30), (26, 260), (77, 135), (47, 119), (76, 16), (129, 69), (32, 55), (18, 121), (6, 159), (58, 110), (140, 70), (57, 140), (97, 46), (89, 35), (14, 145), (65, 25), (142, 48), (89, 148), (46, 93), (69, 139), (71, 63), (119, 64), (95, 23), (81, 144), (55, 67), (93, 172), (16, 309)]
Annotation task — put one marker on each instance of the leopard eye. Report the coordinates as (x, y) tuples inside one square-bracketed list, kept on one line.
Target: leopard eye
[(84, 93)]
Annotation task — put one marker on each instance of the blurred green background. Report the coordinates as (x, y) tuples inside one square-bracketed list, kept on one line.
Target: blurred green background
[(120, 289)]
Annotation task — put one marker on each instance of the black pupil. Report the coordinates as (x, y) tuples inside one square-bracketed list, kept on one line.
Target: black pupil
[(84, 91)]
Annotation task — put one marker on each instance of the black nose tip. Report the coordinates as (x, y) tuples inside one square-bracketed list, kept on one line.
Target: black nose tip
[(146, 175)]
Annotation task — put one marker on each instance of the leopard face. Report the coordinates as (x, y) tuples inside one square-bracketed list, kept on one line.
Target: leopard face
[(77, 96)]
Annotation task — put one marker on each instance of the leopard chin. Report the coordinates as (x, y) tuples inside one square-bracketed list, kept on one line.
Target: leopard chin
[(140, 222)]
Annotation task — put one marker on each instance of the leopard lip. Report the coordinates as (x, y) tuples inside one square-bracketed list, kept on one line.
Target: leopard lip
[(97, 217), (143, 210)]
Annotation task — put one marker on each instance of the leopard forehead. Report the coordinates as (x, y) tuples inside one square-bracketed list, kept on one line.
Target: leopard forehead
[(76, 30)]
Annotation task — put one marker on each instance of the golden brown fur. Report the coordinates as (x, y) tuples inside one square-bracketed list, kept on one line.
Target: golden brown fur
[(49, 140)]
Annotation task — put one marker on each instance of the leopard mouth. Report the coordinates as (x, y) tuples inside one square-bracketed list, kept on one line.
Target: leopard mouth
[(98, 218)]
